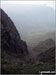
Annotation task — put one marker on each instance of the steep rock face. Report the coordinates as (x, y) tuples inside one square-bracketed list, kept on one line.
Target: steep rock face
[(10, 39)]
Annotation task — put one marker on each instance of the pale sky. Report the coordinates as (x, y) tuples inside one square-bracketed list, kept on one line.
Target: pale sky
[(47, 3)]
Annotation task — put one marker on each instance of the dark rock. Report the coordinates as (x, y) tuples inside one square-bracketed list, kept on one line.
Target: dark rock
[(10, 39)]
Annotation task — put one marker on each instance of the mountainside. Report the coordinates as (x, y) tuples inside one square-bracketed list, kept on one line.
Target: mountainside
[(15, 57), (34, 39), (33, 20), (48, 55), (10, 38), (43, 46)]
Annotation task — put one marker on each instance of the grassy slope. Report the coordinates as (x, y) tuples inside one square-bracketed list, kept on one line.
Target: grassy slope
[(14, 65)]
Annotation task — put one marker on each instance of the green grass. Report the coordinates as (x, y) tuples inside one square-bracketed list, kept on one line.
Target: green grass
[(17, 66)]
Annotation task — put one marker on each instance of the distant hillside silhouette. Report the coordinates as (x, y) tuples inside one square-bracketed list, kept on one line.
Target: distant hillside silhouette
[(44, 45)]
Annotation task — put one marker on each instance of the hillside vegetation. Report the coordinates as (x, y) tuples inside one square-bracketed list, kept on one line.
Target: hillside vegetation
[(15, 56)]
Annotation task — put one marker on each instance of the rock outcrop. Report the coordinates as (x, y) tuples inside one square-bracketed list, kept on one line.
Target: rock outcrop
[(10, 38)]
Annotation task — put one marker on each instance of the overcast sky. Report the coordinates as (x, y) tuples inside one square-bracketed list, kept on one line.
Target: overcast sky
[(47, 3), (31, 16)]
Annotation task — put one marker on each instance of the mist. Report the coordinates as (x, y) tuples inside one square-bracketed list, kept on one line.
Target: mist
[(31, 21), (28, 37)]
